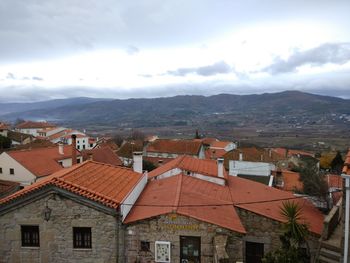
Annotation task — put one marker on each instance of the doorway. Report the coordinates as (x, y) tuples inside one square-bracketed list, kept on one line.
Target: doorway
[(190, 249), (254, 252)]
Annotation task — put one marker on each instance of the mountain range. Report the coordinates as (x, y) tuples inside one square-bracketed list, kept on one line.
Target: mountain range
[(222, 109)]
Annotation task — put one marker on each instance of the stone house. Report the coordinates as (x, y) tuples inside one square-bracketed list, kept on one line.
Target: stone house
[(185, 218), (74, 215), (32, 127)]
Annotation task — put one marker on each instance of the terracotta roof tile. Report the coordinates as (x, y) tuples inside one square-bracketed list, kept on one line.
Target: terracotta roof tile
[(291, 181), (219, 144), (283, 152), (4, 126), (42, 161), (99, 182), (33, 124), (103, 155), (190, 147), (179, 193), (216, 204), (8, 187), (214, 153), (346, 169), (189, 163)]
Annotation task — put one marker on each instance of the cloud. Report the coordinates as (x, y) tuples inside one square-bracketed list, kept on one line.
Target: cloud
[(336, 53), (220, 67), (131, 50), (10, 76), (37, 78)]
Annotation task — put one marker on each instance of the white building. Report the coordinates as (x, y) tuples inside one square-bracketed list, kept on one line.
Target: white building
[(28, 166)]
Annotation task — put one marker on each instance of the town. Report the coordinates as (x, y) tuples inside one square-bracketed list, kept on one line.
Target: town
[(65, 194)]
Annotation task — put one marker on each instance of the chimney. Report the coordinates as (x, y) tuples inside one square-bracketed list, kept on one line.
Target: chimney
[(220, 162), (74, 152), (137, 162), (60, 148), (241, 156)]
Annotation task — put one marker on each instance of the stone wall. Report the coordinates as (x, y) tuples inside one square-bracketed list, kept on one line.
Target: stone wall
[(170, 228), (56, 235), (261, 229)]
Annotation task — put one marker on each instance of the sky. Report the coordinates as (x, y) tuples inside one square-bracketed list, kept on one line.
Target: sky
[(155, 48)]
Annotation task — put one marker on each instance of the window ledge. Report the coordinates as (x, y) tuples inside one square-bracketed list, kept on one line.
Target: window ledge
[(82, 249), (35, 248)]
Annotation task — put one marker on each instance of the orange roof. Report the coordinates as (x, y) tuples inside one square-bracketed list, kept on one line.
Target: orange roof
[(34, 124), (4, 126), (283, 152), (189, 163), (158, 161), (42, 161), (216, 204), (346, 169), (60, 134), (179, 193), (189, 147), (219, 144), (8, 187), (291, 181), (334, 180), (99, 182), (214, 153), (103, 155)]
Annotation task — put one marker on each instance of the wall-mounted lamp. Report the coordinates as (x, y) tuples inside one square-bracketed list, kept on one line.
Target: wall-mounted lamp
[(47, 209)]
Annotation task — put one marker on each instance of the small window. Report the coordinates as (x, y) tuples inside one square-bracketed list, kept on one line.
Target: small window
[(145, 246), (81, 237), (78, 147), (12, 171), (30, 236), (0, 170), (78, 160), (84, 146)]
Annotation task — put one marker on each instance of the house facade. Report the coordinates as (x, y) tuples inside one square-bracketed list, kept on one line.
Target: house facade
[(29, 165), (69, 217)]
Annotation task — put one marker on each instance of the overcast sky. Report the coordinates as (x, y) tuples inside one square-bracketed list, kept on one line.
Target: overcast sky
[(151, 48)]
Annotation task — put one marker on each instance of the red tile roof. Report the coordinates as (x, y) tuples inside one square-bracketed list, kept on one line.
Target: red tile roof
[(42, 161), (33, 125), (216, 204), (219, 144), (179, 193), (189, 163), (283, 152), (4, 126), (103, 155), (346, 169), (8, 187), (291, 181), (190, 147), (99, 182), (214, 153)]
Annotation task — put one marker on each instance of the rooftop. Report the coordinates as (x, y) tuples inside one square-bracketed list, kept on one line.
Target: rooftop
[(33, 125), (217, 204), (98, 182), (42, 161), (189, 163), (190, 147), (103, 155)]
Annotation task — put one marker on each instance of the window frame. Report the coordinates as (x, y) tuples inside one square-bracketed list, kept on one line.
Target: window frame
[(32, 240), (85, 232), (12, 171)]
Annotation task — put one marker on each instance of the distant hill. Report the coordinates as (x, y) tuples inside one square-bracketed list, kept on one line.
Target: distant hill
[(7, 108), (223, 109)]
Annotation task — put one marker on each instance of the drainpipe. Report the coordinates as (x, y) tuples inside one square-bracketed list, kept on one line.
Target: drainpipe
[(346, 236)]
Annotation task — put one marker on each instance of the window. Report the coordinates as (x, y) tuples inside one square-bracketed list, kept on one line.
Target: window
[(78, 160), (0, 170), (30, 236), (162, 251), (145, 246), (12, 171), (81, 237)]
